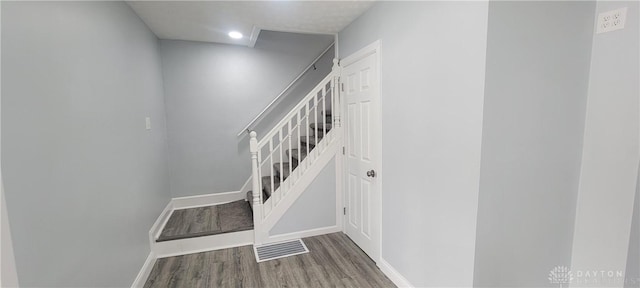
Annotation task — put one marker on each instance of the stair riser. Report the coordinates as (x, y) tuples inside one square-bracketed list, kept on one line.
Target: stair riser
[(295, 156), (320, 126)]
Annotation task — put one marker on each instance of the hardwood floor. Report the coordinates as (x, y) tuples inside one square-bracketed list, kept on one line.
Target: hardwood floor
[(210, 220), (333, 261)]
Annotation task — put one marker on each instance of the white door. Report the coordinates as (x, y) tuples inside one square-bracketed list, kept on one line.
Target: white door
[(361, 95)]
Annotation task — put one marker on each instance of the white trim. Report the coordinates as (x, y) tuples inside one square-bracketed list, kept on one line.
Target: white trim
[(143, 275), (155, 230), (339, 166), (255, 33), (379, 167), (202, 244), (303, 234), (393, 274), (206, 200), (299, 31)]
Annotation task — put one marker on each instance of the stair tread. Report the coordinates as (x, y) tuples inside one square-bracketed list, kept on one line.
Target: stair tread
[(285, 167), (317, 128), (311, 140), (266, 186), (294, 153), (266, 189), (210, 220), (320, 126), (327, 116)]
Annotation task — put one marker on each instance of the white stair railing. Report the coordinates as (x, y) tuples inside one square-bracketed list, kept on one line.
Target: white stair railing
[(293, 134)]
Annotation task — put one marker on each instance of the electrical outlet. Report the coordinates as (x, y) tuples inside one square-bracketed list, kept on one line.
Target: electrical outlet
[(611, 20), (147, 122)]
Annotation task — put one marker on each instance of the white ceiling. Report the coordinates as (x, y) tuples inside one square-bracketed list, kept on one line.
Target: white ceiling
[(211, 21)]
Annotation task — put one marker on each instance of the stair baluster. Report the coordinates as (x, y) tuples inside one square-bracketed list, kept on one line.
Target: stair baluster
[(272, 174), (317, 113), (257, 186), (290, 147), (335, 100), (299, 137), (315, 118), (324, 111), (306, 115), (280, 172)]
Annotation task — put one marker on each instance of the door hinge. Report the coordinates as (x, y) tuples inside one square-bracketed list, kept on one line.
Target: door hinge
[(344, 210), (342, 150)]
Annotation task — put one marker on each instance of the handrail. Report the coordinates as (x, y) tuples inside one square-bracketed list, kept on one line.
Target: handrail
[(294, 110), (246, 128)]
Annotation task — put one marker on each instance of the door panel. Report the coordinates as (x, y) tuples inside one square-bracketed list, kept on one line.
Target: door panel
[(363, 192)]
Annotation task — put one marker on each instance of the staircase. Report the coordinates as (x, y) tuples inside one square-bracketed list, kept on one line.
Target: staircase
[(284, 162), (282, 170), (292, 154)]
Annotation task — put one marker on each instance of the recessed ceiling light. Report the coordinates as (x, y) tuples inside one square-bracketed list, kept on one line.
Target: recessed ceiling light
[(235, 35)]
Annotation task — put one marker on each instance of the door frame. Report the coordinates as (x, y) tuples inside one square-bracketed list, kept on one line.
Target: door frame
[(373, 48)]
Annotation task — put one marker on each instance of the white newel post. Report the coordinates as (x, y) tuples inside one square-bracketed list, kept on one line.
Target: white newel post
[(257, 191), (336, 71)]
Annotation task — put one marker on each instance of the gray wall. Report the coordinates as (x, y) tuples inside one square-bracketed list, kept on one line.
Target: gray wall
[(212, 91), (632, 275), (432, 81), (8, 273), (315, 208), (84, 181), (294, 94), (611, 147), (535, 96)]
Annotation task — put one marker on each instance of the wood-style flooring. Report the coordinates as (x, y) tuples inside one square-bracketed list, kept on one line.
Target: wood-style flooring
[(333, 261), (210, 220)]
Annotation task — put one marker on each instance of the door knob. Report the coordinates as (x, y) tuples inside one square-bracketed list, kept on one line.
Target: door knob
[(371, 173)]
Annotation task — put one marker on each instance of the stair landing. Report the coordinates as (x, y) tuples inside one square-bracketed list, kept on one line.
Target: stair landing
[(209, 220)]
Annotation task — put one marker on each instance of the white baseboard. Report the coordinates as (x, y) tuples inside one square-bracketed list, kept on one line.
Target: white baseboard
[(160, 222), (247, 185), (206, 199), (303, 234), (144, 271), (393, 274), (202, 244)]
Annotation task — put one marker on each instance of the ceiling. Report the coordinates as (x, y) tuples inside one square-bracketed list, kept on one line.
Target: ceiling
[(211, 21)]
